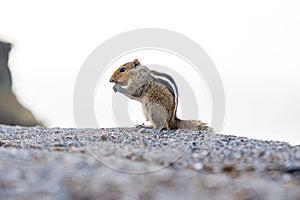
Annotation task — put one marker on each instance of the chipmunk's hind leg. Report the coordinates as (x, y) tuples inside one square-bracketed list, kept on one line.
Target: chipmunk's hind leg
[(157, 116)]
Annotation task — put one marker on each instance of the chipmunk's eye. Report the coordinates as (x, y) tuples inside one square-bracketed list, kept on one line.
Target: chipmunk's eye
[(123, 69)]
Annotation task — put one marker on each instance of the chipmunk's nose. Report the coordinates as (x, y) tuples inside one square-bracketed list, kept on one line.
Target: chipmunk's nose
[(112, 79)]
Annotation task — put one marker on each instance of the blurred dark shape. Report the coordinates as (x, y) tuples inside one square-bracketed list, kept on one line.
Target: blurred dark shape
[(11, 111)]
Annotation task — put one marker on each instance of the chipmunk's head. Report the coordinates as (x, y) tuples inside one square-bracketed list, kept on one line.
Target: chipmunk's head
[(124, 73)]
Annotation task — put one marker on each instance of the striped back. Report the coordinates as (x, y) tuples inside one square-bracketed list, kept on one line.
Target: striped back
[(169, 82)]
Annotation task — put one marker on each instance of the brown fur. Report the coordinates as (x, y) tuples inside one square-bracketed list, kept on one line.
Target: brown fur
[(159, 104)]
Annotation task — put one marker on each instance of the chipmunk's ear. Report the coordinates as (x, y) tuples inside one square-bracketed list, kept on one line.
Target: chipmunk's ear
[(136, 62)]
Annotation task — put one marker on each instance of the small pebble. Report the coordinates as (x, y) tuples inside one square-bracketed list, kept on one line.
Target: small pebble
[(198, 166), (104, 137)]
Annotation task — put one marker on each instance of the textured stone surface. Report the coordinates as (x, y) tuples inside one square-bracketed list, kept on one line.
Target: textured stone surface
[(129, 163)]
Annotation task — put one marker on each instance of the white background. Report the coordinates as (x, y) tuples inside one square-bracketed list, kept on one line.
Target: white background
[(255, 46)]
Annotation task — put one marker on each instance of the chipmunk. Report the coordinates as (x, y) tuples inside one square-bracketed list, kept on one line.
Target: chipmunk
[(158, 94)]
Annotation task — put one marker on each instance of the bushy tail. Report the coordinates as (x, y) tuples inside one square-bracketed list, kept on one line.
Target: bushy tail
[(193, 125)]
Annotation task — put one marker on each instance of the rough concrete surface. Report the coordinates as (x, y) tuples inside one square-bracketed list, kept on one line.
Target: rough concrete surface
[(131, 163)]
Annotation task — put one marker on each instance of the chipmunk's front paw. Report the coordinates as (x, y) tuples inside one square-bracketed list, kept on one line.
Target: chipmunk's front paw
[(117, 88)]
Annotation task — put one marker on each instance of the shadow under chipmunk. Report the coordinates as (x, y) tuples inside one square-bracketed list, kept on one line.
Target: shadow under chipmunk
[(11, 111)]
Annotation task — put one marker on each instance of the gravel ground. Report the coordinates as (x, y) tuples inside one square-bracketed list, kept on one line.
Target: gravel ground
[(132, 163)]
